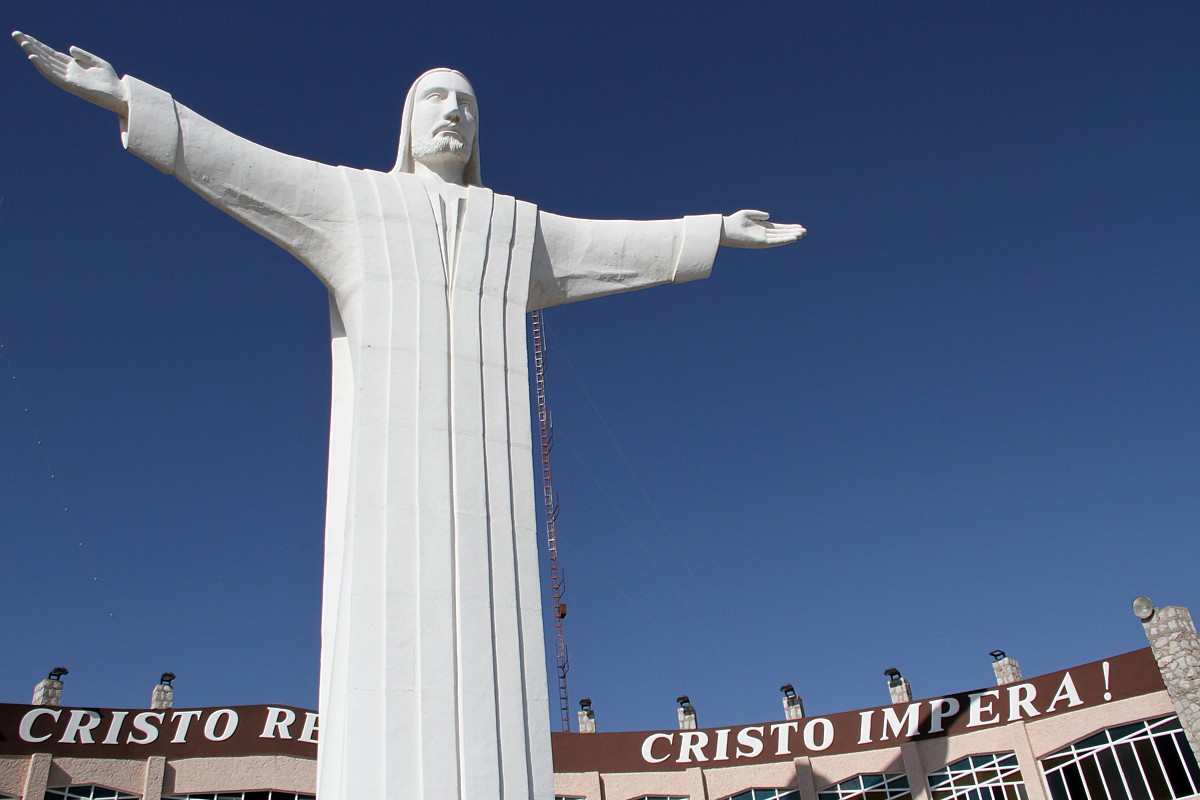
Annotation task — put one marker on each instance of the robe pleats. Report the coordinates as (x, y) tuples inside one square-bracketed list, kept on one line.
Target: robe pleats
[(437, 564)]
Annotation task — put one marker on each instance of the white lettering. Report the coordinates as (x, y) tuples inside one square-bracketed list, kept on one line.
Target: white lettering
[(82, 722), (977, 708), (142, 724), (114, 727), (864, 726), (31, 716), (279, 720), (690, 743), (892, 722), (750, 742), (940, 709), (183, 721), (1066, 691), (648, 747), (722, 753), (309, 732), (810, 735), (783, 732), (210, 725), (1020, 699)]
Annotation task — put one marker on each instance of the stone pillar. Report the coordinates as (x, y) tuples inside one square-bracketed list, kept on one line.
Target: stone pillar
[(163, 695), (687, 713), (914, 767), (37, 777), (1031, 770), (793, 704), (806, 782), (48, 691), (1006, 668), (1176, 648), (156, 769), (587, 717)]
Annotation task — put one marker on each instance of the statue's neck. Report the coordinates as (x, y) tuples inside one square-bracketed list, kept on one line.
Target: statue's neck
[(445, 170)]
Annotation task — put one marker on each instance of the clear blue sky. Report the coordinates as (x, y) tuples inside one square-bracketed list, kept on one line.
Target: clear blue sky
[(961, 415)]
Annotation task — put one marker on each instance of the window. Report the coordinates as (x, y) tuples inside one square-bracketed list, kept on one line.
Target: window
[(265, 794), (766, 794), (662, 797), (875, 786), (988, 777), (87, 793), (1139, 760)]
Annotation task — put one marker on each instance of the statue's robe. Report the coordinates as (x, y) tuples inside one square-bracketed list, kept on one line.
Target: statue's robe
[(433, 677)]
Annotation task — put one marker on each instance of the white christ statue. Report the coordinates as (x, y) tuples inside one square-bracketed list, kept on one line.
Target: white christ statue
[(433, 679)]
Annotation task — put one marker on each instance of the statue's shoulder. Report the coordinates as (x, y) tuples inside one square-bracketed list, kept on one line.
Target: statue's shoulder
[(523, 205)]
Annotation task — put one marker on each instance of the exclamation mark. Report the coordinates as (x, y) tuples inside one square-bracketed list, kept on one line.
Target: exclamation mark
[(1107, 693)]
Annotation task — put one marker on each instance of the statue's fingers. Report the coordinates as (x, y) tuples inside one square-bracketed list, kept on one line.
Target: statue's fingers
[(757, 216), (22, 38), (85, 58), (785, 236), (48, 68), (33, 47)]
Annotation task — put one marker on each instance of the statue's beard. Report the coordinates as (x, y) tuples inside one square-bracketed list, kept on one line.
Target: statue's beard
[(441, 147)]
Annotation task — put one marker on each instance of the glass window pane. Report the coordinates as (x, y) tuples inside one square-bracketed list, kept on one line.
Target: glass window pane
[(1107, 764), (1177, 774), (1058, 786), (1074, 780), (1127, 758), (1155, 779)]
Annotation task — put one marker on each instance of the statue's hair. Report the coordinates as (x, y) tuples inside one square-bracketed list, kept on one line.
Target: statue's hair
[(404, 159)]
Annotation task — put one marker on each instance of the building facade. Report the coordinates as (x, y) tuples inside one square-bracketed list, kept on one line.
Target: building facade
[(1121, 728)]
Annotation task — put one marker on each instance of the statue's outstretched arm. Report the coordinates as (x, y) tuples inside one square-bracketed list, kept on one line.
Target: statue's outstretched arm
[(80, 73), (299, 204), (577, 259)]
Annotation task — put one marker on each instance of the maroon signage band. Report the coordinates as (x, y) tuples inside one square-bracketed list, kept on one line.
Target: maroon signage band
[(282, 730), (1130, 675)]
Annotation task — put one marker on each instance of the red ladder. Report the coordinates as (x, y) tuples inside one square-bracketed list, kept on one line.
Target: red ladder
[(550, 501)]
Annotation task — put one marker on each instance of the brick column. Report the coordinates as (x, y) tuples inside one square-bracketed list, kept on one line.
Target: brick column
[(48, 692), (899, 690), (1007, 670), (1176, 648)]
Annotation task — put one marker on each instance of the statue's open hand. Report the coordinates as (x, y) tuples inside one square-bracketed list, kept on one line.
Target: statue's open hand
[(750, 229), (80, 73)]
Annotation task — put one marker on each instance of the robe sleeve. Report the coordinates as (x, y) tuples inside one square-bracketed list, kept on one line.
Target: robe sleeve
[(577, 259), (303, 206)]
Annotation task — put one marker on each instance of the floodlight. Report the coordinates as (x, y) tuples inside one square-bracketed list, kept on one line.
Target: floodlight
[(1143, 609)]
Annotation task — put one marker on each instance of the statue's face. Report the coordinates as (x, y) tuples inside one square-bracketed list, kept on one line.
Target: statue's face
[(443, 118)]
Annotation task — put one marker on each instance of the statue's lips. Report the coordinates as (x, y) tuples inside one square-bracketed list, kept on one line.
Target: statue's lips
[(442, 131)]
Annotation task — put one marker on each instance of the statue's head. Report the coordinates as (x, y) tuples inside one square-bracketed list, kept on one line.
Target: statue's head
[(440, 124)]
